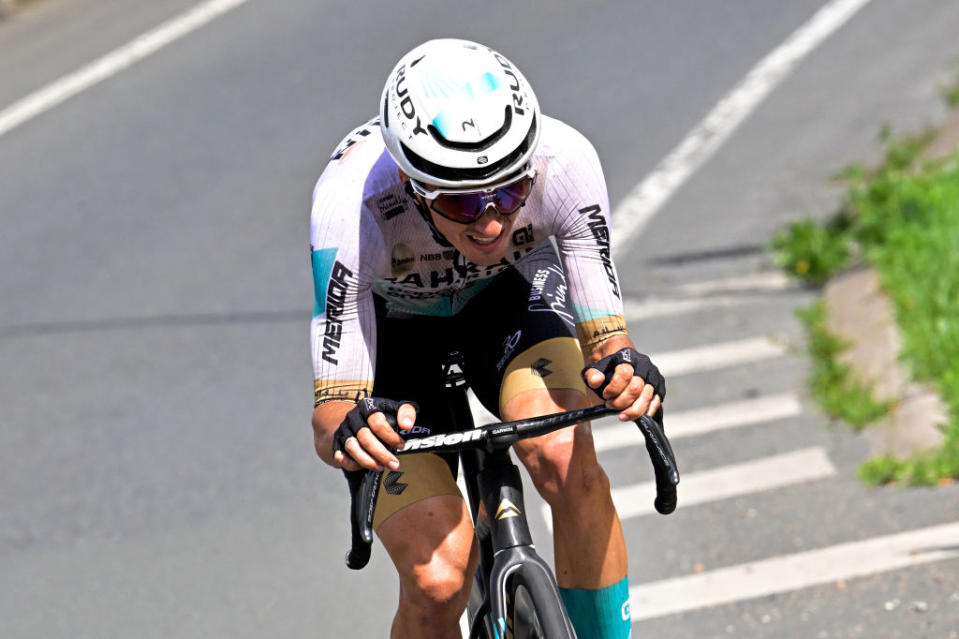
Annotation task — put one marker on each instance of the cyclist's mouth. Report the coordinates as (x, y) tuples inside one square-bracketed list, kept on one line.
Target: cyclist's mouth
[(486, 244)]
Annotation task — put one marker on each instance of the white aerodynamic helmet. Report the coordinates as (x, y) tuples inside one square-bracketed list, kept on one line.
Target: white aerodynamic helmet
[(457, 114)]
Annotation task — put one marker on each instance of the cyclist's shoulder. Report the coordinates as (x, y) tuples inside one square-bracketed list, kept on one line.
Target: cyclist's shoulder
[(359, 166), (359, 177), (560, 139), (562, 144)]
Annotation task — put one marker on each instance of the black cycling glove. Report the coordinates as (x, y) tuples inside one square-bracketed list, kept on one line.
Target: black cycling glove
[(355, 420), (642, 367)]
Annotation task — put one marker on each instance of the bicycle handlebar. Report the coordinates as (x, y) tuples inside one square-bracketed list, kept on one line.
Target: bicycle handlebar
[(364, 485)]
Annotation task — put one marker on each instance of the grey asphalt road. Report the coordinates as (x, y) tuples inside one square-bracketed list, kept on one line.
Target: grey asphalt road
[(157, 466)]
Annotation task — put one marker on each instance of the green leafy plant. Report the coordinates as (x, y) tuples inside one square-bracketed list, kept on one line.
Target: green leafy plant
[(812, 252), (834, 384)]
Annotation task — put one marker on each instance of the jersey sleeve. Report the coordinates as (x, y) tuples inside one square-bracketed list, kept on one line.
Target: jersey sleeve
[(346, 249), (576, 193)]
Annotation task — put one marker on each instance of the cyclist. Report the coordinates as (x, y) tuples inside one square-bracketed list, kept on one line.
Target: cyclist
[(430, 234)]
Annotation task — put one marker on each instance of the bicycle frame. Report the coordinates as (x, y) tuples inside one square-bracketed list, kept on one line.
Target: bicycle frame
[(495, 492), (506, 548)]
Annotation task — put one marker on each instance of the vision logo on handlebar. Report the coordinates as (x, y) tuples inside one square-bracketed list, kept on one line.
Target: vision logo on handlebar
[(437, 441)]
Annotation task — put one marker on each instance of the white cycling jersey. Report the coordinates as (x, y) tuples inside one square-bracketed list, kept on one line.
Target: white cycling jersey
[(367, 238)]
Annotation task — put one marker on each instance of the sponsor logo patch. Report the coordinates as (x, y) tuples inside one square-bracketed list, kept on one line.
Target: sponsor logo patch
[(508, 347), (341, 279), (392, 483), (435, 441), (597, 225)]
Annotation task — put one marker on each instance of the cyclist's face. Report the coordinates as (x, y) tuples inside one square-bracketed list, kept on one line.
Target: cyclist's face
[(485, 241)]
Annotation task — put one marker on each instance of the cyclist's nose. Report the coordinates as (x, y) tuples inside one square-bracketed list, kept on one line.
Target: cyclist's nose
[(491, 222)]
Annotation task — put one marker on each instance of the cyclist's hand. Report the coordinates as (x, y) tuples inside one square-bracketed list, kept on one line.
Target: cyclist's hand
[(366, 435), (629, 382)]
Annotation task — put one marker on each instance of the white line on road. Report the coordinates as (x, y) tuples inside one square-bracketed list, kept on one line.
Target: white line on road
[(648, 197), (753, 282), (654, 307), (697, 422), (794, 572), (760, 475), (714, 356), (112, 63)]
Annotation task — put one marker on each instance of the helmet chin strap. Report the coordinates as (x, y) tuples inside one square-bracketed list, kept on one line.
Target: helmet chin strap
[(425, 214)]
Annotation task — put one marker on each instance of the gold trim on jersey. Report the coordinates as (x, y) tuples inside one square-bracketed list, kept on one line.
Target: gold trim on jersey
[(346, 390), (593, 332)]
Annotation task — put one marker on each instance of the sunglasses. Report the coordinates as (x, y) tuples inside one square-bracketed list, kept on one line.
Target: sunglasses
[(465, 207)]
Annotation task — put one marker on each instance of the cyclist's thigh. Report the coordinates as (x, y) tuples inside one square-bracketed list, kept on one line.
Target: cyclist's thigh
[(524, 338), (410, 354)]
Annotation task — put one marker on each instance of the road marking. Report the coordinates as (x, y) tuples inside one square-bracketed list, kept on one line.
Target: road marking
[(654, 307), (754, 282), (725, 354), (794, 572), (760, 475), (649, 196), (112, 63), (704, 420)]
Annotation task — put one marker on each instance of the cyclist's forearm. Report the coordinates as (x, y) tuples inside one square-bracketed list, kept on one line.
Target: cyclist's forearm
[(326, 419)]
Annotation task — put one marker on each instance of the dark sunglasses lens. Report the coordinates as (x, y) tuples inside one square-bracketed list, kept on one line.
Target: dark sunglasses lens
[(509, 198), (461, 207), (468, 207)]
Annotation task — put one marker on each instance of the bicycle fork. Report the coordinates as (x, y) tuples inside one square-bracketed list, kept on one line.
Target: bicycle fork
[(501, 524)]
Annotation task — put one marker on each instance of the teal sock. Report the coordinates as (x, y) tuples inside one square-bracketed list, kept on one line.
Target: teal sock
[(599, 614)]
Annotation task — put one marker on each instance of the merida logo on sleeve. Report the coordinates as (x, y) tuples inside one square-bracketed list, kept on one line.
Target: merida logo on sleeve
[(597, 225), (341, 278)]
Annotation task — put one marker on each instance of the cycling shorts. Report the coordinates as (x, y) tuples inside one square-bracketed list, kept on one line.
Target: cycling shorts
[(518, 334)]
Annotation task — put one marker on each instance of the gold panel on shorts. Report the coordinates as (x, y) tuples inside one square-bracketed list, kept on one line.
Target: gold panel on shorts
[(420, 476), (552, 363), (347, 390), (592, 332)]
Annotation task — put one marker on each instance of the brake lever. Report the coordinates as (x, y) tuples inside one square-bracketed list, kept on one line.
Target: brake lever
[(364, 491), (664, 462)]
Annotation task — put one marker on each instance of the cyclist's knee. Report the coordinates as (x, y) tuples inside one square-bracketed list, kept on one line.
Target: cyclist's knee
[(439, 586), (431, 544), (564, 468), (562, 479)]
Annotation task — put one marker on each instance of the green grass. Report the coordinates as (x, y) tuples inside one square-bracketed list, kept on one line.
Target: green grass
[(951, 92), (835, 385), (902, 218), (812, 252)]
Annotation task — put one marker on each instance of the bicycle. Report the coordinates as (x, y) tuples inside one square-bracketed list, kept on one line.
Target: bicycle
[(514, 589)]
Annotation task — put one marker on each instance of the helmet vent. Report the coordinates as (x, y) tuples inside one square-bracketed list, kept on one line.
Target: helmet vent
[(482, 145), (479, 173)]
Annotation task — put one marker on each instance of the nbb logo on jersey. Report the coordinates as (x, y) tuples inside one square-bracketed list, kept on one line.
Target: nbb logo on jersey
[(331, 284)]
